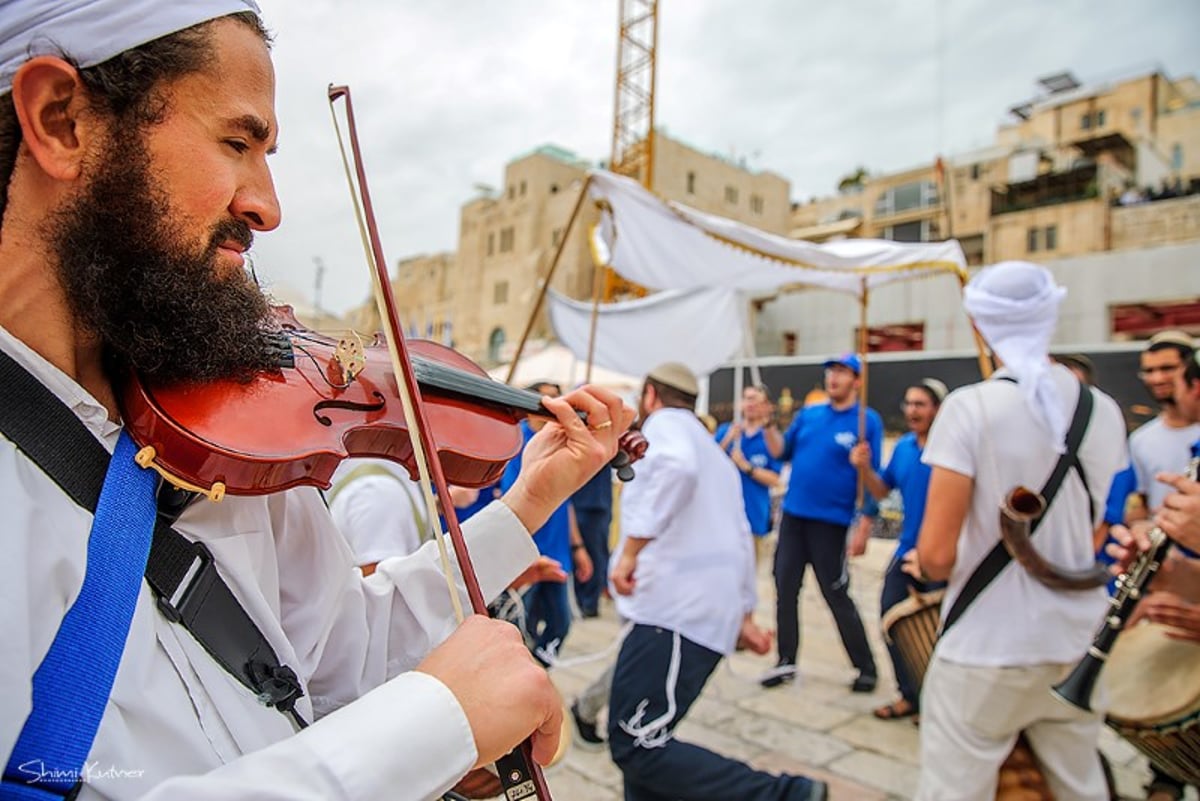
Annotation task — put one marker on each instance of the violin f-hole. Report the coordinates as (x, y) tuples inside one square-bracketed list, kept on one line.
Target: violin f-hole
[(354, 406)]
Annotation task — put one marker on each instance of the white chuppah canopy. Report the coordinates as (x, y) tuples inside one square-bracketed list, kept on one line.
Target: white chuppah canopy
[(716, 264)]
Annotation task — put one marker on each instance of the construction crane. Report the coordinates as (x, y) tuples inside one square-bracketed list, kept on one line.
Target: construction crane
[(633, 112)]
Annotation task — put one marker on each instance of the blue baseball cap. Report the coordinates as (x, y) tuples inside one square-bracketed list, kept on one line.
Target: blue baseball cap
[(847, 360)]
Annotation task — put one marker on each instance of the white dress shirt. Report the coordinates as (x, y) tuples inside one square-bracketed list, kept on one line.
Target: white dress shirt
[(983, 431), (177, 726), (696, 576)]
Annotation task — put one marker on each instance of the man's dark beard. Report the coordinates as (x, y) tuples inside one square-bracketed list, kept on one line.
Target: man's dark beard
[(159, 308)]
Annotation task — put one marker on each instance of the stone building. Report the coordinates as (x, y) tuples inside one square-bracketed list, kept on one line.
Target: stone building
[(1099, 182), (484, 291)]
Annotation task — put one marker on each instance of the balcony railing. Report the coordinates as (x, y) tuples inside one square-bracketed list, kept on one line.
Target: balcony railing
[(1050, 189)]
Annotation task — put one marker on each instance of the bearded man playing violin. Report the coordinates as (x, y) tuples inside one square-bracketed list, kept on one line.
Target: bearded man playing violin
[(134, 139)]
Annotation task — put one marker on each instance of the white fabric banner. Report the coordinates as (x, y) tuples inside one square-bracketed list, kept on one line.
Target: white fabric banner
[(706, 268), (701, 328), (665, 245)]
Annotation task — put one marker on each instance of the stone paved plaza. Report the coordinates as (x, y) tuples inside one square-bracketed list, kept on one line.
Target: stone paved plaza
[(815, 726)]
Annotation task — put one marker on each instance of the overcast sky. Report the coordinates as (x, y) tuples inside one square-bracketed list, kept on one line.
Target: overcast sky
[(446, 93)]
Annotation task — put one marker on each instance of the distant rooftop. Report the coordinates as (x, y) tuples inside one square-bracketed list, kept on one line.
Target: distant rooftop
[(1063, 87), (558, 153), (1058, 82)]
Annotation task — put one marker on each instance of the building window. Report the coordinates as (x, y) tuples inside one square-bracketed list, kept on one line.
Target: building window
[(1135, 114), (915, 231), (1085, 122), (1032, 236), (1100, 118), (506, 239), (1177, 157), (1143, 320), (512, 192), (890, 338), (495, 344), (731, 195), (691, 183), (756, 204), (522, 189), (975, 172), (1051, 237), (500, 293), (789, 343), (914, 195), (491, 248)]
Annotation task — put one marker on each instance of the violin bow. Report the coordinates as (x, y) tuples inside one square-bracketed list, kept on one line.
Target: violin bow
[(520, 776)]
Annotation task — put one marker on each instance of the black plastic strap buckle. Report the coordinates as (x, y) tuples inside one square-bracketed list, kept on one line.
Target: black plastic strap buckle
[(199, 573), (277, 685)]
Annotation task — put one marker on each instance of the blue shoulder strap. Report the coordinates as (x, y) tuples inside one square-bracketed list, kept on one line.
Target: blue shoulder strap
[(72, 685)]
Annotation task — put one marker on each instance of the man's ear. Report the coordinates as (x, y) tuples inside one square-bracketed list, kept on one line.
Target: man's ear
[(49, 99)]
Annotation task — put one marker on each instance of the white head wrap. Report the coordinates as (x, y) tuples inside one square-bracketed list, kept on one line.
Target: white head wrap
[(1015, 306), (91, 32)]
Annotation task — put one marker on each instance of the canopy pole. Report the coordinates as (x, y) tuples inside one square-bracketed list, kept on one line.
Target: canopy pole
[(597, 289), (863, 343), (985, 359), (748, 345), (541, 297)]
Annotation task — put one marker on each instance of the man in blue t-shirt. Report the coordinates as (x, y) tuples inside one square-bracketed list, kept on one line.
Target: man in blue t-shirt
[(818, 508), (906, 473), (746, 445), (548, 603)]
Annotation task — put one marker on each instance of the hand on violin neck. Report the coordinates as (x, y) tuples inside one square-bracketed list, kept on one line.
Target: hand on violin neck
[(566, 453), (505, 695)]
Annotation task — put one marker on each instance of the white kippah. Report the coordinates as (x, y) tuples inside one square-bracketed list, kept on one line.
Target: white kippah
[(1015, 307), (91, 32)]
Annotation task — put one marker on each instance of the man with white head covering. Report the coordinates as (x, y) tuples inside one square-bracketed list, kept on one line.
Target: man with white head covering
[(992, 668), (683, 576), (134, 138)]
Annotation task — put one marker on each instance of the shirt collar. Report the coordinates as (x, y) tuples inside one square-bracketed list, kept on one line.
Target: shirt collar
[(90, 411)]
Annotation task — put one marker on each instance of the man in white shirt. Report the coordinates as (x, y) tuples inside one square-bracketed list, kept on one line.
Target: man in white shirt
[(684, 577), (991, 671), (133, 173), (378, 509), (1164, 444)]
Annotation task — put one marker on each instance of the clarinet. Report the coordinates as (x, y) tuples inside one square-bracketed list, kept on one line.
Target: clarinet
[(1076, 689)]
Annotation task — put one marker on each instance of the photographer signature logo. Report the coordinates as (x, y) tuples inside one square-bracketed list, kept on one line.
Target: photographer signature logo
[(37, 772)]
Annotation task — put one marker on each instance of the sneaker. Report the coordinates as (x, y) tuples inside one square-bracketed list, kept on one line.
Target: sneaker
[(589, 738), (863, 684), (819, 791), (783, 673)]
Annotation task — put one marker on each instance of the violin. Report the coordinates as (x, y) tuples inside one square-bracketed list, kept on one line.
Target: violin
[(327, 400)]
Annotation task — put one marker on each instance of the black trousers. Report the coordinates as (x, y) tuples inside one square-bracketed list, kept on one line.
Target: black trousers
[(804, 542), (593, 528), (658, 767)]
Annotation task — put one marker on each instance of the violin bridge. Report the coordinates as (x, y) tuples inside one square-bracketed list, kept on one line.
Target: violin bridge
[(350, 356)]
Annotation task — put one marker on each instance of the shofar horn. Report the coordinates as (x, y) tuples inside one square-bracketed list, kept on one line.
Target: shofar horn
[(1020, 508)]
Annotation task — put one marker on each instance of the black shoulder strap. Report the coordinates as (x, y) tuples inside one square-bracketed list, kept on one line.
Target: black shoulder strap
[(999, 557), (181, 573)]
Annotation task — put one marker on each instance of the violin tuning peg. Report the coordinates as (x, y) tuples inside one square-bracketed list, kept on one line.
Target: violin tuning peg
[(625, 473)]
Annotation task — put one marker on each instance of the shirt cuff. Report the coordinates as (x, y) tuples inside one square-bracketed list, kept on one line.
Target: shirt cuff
[(408, 733), (499, 534)]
